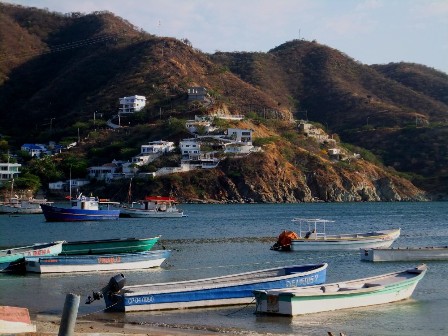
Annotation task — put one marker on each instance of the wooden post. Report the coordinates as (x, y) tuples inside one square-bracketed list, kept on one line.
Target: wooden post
[(68, 321)]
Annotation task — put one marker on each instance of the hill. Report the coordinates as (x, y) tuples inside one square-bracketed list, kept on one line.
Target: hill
[(65, 68)]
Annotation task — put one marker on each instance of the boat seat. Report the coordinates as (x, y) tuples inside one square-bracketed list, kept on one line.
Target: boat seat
[(370, 285)]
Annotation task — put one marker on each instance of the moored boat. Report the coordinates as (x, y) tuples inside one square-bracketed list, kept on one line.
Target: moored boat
[(231, 289), (152, 207), (22, 206), (13, 259), (312, 236), (426, 253), (83, 208), (375, 290), (108, 246), (93, 263)]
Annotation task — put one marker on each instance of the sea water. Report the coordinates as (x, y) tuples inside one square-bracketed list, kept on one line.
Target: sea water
[(216, 240)]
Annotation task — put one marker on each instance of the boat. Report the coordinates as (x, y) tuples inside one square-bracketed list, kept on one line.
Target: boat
[(426, 253), (152, 207), (12, 259), (106, 246), (16, 205), (312, 236), (83, 208), (231, 289), (374, 290), (94, 263)]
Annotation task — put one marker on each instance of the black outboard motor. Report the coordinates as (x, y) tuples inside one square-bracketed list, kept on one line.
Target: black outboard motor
[(116, 283)]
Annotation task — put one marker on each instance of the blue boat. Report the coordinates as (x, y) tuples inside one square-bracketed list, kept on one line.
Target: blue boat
[(226, 290), (95, 263), (83, 208)]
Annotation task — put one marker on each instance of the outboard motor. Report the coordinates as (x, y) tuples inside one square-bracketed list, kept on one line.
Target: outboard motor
[(116, 283)]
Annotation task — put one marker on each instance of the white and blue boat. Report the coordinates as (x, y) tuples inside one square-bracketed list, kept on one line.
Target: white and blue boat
[(226, 290), (13, 259), (83, 208), (94, 263)]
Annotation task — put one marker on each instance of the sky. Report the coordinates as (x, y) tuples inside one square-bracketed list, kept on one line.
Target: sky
[(369, 31)]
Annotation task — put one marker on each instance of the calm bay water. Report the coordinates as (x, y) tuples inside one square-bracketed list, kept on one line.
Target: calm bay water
[(221, 239)]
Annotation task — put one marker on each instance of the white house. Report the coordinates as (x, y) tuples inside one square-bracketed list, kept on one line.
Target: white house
[(8, 171), (204, 122), (132, 104), (189, 147), (59, 185), (35, 150), (240, 135), (104, 172), (152, 151)]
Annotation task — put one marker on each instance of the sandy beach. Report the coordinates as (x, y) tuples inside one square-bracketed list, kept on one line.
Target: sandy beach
[(49, 325)]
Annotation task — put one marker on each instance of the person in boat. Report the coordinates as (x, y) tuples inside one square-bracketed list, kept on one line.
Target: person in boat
[(310, 234), (284, 241)]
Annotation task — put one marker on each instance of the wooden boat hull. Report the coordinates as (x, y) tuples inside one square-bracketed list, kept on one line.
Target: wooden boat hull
[(374, 239), (220, 291), (94, 263), (109, 246), (57, 214), (13, 260), (351, 294), (405, 254)]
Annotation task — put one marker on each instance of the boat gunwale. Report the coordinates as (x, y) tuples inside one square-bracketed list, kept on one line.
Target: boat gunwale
[(225, 281), (416, 275)]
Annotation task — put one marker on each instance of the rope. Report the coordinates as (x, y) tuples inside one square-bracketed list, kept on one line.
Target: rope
[(97, 311), (238, 310)]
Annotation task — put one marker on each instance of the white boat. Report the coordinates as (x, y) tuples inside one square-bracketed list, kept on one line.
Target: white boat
[(98, 262), (370, 291), (152, 206), (13, 259), (426, 253), (19, 206), (233, 289), (312, 236)]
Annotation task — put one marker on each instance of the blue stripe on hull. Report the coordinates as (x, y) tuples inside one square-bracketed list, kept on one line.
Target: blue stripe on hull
[(231, 292), (56, 214)]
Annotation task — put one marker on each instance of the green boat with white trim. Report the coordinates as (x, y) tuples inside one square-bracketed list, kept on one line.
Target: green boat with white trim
[(375, 290), (109, 246)]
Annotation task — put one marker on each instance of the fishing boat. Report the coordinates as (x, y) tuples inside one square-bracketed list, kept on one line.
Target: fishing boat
[(12, 259), (152, 207), (83, 208), (94, 263), (108, 246), (375, 290), (312, 236), (231, 289), (426, 253), (21, 206)]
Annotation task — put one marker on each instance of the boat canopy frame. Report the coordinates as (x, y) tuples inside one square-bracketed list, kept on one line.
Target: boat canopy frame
[(308, 227)]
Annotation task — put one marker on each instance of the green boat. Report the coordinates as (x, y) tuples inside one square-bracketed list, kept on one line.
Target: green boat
[(105, 246)]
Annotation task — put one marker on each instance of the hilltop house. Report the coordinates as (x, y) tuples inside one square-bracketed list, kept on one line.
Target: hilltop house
[(152, 151), (197, 93), (131, 104), (36, 150), (8, 171), (104, 172)]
